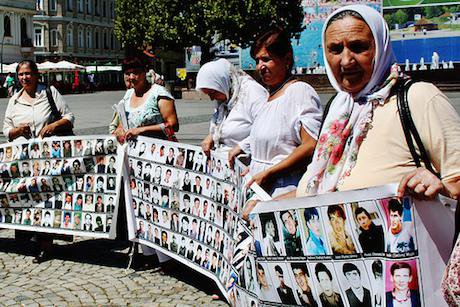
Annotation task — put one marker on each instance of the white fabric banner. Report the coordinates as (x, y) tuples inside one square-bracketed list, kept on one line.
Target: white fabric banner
[(64, 185)]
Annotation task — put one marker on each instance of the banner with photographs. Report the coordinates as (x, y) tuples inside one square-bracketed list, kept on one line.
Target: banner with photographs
[(355, 248), (185, 204), (65, 185)]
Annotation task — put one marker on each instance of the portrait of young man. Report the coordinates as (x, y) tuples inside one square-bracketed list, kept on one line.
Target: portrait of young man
[(371, 236), (304, 290), (357, 294), (291, 233), (400, 234), (327, 296), (285, 292), (401, 275)]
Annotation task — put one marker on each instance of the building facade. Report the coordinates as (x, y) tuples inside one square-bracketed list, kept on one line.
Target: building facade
[(79, 31), (16, 30)]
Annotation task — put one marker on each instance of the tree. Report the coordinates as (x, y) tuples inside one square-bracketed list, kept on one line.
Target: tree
[(390, 19), (400, 17), (432, 11), (175, 24)]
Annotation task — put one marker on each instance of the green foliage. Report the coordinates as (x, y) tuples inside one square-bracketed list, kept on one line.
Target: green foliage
[(400, 16), (174, 24), (390, 19), (432, 11)]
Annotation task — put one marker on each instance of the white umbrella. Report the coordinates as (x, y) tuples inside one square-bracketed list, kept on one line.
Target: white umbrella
[(46, 66), (66, 66), (103, 68)]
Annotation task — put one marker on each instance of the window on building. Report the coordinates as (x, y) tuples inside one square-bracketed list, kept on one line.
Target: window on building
[(39, 5), (81, 39), (112, 10), (80, 6), (104, 9), (106, 44), (53, 5), (70, 5), (96, 38), (89, 7), (54, 37), (7, 26), (69, 37), (96, 7), (89, 38), (112, 42), (38, 37), (24, 35)]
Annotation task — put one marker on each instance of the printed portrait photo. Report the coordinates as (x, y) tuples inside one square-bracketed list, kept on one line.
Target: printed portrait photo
[(282, 282), (291, 233), (304, 290), (400, 221), (99, 148), (375, 269), (109, 203), (110, 146), (190, 159), (111, 165), (78, 148), (88, 147), (33, 152), (77, 220), (338, 230), (180, 158), (57, 219), (27, 216), (78, 166), (271, 243), (47, 218), (355, 283), (99, 206), (168, 178), (369, 226), (99, 222), (67, 222), (87, 222), (56, 151), (89, 164), (67, 149), (326, 284), (247, 275), (100, 164), (171, 156), (266, 290), (314, 242), (402, 283), (88, 204)]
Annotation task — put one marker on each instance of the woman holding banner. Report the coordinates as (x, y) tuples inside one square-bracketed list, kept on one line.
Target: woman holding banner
[(283, 136), (362, 142), (146, 109), (238, 100), (36, 111)]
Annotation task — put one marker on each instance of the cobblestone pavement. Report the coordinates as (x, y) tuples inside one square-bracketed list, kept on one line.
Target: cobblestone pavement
[(92, 273)]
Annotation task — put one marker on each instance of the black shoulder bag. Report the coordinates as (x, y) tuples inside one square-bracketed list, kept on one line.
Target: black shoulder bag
[(56, 115)]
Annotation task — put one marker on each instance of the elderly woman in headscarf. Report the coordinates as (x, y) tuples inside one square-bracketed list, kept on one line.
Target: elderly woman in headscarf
[(238, 100), (362, 142)]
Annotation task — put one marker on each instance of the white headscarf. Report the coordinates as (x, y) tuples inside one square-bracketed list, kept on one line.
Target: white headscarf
[(350, 116), (223, 77)]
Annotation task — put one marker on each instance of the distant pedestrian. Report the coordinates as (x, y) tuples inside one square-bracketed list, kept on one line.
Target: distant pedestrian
[(9, 84)]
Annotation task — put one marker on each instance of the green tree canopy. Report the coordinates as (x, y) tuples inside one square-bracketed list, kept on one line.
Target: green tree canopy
[(175, 24), (400, 17)]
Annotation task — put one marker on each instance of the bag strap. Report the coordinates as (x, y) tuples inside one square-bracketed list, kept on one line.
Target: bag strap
[(409, 128), (326, 110), (54, 111)]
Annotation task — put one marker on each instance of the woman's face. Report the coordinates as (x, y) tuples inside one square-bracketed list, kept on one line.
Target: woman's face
[(27, 77), (272, 69), (350, 51), (215, 95), (134, 78)]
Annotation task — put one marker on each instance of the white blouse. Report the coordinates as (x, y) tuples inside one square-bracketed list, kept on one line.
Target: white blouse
[(237, 126), (275, 132)]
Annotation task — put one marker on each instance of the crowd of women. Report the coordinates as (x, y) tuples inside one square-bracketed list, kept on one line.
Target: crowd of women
[(296, 148)]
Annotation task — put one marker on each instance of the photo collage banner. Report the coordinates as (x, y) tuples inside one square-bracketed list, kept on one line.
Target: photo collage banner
[(358, 248), (64, 185), (185, 204)]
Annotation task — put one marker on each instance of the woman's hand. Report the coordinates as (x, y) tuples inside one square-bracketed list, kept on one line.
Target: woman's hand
[(207, 144), (261, 178), (132, 133), (250, 205), (48, 130), (21, 130), (119, 133), (423, 184), (232, 154)]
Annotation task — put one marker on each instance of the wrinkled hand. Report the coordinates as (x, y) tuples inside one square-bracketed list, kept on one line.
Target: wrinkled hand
[(132, 133), (422, 183), (250, 205), (232, 154), (48, 130), (260, 178), (24, 130), (207, 145), (120, 135)]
